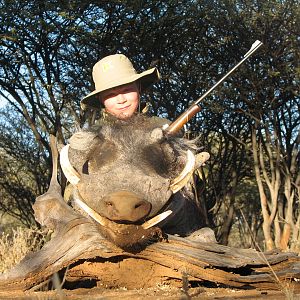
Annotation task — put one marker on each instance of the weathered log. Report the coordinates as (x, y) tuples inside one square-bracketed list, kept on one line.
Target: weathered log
[(79, 246)]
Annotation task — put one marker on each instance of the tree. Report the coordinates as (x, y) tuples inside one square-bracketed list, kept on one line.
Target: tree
[(24, 172), (48, 49), (269, 99)]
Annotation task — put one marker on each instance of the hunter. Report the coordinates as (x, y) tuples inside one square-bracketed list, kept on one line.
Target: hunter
[(118, 86)]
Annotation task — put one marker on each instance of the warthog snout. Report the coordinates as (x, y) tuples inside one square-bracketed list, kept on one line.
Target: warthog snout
[(125, 206)]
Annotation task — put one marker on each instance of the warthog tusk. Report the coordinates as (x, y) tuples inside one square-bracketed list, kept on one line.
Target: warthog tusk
[(156, 219), (182, 179), (102, 221), (71, 174)]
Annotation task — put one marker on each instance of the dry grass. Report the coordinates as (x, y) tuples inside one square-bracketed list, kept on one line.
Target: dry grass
[(16, 244)]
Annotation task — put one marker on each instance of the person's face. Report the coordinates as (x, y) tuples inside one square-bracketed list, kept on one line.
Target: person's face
[(122, 101)]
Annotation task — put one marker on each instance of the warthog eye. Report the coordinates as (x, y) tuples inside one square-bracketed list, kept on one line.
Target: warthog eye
[(85, 168), (155, 159), (102, 155)]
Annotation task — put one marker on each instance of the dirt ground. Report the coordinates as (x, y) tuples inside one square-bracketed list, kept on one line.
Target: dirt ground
[(159, 292), (136, 285), (131, 279)]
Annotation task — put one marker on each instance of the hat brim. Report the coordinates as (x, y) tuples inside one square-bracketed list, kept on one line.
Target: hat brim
[(146, 78)]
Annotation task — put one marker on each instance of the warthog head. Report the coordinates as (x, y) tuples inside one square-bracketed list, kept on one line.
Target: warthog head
[(127, 171)]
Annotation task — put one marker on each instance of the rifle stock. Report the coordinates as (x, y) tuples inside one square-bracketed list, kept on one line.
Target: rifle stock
[(176, 125)]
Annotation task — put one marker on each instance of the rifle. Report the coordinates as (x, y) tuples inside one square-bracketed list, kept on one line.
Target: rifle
[(176, 125)]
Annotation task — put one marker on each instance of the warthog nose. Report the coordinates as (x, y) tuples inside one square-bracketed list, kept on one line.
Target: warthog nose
[(126, 206)]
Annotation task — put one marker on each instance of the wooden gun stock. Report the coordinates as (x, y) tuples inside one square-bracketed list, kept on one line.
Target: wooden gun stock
[(182, 119)]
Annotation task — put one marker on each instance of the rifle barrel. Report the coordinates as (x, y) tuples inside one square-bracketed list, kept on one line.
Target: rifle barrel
[(176, 125), (254, 47)]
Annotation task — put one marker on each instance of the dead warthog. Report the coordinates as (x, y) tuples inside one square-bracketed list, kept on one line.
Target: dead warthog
[(129, 176)]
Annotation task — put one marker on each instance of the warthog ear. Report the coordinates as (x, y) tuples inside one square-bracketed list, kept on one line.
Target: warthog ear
[(83, 140), (201, 158), (156, 135)]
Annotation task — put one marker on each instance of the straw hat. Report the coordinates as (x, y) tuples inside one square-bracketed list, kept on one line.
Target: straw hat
[(115, 70)]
